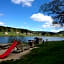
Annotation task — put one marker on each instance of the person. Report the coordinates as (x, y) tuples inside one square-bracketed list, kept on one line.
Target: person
[(33, 43), (46, 42), (43, 42)]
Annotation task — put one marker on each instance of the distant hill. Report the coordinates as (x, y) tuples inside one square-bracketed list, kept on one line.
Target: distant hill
[(19, 31), (9, 29), (61, 32)]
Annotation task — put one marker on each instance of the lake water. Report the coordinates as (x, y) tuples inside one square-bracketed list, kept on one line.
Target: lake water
[(25, 39)]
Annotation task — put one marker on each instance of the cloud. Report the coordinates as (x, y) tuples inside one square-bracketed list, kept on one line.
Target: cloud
[(46, 25), (39, 17), (23, 2), (1, 14), (2, 24), (53, 28), (56, 25), (57, 30), (47, 22)]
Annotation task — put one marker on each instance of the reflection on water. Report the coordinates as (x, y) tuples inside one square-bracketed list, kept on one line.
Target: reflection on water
[(25, 39)]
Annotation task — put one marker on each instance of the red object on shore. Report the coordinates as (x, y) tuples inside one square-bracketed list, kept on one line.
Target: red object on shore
[(8, 51)]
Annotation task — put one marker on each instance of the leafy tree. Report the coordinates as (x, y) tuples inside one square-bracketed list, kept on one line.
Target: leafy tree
[(55, 8)]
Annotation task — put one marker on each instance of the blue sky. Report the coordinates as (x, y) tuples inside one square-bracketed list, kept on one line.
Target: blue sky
[(24, 14)]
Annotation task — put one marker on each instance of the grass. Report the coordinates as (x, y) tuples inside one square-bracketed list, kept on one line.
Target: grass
[(12, 34), (23, 34), (53, 53)]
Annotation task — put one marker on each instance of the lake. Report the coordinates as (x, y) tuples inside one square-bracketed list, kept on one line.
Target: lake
[(25, 39)]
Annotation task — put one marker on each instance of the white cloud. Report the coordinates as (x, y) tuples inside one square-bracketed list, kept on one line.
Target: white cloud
[(57, 30), (2, 23), (52, 28), (46, 25), (42, 18), (56, 25), (1, 14), (47, 22), (23, 2)]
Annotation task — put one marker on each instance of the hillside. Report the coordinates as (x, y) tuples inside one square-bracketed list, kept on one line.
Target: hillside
[(10, 31)]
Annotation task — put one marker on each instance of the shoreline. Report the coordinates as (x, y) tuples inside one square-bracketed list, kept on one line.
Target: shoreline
[(26, 42), (27, 36)]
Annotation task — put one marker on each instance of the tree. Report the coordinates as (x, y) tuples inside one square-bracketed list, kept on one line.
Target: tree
[(55, 9)]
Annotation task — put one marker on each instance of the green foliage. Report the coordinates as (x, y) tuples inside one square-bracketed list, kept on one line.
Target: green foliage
[(2, 34), (25, 32), (55, 9)]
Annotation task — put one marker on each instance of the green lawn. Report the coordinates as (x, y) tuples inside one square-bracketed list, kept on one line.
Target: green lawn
[(24, 34), (51, 54), (12, 34)]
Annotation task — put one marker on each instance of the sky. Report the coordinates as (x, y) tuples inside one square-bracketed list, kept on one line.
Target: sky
[(25, 14)]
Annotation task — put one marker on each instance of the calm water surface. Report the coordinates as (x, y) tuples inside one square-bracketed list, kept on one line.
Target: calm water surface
[(25, 39)]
